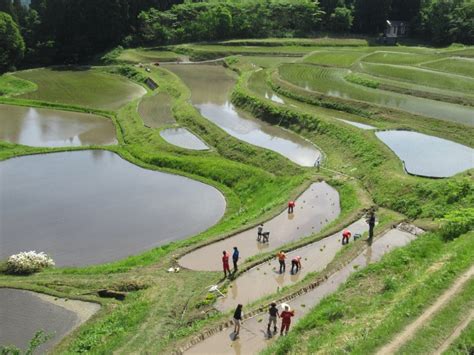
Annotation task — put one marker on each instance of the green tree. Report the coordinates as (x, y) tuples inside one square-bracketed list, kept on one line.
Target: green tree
[(341, 19), (370, 15), (462, 23), (12, 46)]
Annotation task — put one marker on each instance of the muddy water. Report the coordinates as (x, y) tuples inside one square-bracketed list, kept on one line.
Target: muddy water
[(427, 155), (211, 85), (253, 336), (183, 138), (265, 279), (51, 128), (315, 208), (92, 206), (23, 313)]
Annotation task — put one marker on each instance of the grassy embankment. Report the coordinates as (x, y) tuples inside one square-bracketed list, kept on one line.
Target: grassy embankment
[(432, 335), (379, 301)]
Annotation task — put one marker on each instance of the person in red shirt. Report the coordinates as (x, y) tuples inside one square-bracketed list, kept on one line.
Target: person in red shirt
[(291, 205), (225, 263), (286, 319), (295, 264), (345, 236)]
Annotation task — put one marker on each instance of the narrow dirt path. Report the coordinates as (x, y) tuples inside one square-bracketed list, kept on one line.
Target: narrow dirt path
[(253, 335), (315, 208), (411, 329), (455, 334)]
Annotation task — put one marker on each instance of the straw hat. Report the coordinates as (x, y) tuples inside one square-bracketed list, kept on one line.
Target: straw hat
[(283, 305)]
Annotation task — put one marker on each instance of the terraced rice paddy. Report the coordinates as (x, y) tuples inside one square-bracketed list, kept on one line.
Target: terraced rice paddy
[(155, 110), (147, 55), (343, 59), (330, 81), (460, 66), (421, 77), (24, 312), (397, 58), (88, 87), (52, 128), (211, 85), (428, 156), (85, 220)]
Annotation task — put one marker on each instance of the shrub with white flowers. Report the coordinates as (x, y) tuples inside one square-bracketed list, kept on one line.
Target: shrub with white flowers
[(28, 262)]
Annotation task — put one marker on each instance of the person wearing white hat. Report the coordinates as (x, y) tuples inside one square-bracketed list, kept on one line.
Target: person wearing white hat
[(286, 318)]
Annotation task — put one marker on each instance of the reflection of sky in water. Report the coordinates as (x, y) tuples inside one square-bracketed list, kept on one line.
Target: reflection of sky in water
[(427, 155), (357, 124), (183, 138), (260, 134), (274, 98), (49, 128), (210, 86)]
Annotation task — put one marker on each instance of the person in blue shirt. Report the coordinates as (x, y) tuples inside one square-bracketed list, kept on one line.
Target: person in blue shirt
[(235, 258)]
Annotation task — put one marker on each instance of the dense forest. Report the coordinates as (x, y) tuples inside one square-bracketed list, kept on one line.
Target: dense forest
[(70, 31)]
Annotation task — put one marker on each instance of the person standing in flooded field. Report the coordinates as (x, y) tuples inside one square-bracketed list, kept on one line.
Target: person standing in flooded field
[(259, 232), (371, 223), (286, 320), (235, 258), (291, 206), (273, 315), (281, 259), (237, 320), (225, 263)]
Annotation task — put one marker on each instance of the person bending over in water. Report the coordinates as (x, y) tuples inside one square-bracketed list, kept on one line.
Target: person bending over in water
[(345, 237), (295, 264), (291, 206)]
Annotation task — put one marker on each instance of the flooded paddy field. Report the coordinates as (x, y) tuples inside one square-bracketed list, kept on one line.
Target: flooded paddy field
[(183, 138), (211, 85), (23, 313), (52, 128), (315, 208), (427, 155), (92, 207), (330, 81)]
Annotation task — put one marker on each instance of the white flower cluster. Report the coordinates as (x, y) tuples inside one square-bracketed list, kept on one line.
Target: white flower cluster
[(28, 262)]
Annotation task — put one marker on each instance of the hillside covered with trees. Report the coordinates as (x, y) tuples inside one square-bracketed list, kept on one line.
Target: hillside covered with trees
[(67, 31)]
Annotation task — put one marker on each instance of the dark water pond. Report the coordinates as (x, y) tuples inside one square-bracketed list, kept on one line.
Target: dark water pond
[(92, 207), (52, 128), (427, 155)]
